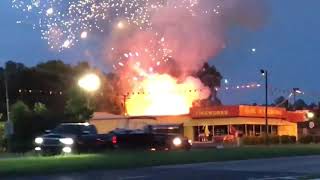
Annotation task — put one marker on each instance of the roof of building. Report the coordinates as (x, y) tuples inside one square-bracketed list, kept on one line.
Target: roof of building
[(105, 116), (220, 112)]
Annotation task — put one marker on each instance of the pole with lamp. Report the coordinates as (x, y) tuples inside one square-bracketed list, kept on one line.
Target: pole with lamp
[(8, 125), (264, 73), (90, 83)]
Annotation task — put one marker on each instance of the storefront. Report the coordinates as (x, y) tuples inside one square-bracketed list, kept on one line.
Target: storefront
[(202, 124)]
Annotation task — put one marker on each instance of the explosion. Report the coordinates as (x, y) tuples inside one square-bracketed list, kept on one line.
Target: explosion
[(155, 46), (164, 95)]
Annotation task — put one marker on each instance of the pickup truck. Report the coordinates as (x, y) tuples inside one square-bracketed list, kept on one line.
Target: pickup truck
[(140, 139), (71, 137), (83, 137)]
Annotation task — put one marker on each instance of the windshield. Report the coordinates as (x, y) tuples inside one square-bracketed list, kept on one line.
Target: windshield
[(74, 129), (67, 129)]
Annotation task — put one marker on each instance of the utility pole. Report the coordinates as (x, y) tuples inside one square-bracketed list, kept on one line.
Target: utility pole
[(125, 97), (9, 124), (265, 74)]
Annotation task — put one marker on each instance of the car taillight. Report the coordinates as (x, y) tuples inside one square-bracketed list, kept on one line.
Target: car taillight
[(114, 139)]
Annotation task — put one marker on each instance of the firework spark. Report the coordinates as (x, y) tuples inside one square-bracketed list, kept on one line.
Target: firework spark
[(155, 45), (63, 21)]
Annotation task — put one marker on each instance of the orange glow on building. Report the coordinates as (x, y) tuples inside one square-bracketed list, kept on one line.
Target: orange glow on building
[(217, 120)]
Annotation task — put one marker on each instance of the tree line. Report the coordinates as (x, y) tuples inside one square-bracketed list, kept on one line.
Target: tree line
[(47, 94)]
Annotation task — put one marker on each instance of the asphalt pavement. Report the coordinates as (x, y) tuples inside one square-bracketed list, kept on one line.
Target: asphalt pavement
[(288, 168)]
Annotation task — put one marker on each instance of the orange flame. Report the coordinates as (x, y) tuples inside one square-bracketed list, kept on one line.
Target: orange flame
[(164, 95)]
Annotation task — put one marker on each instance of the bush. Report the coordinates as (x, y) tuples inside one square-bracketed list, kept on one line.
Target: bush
[(252, 140), (18, 145), (274, 139), (285, 139), (256, 140), (316, 139), (2, 138), (306, 139), (293, 139)]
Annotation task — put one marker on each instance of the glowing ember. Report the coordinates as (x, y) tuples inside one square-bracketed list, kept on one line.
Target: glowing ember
[(164, 95)]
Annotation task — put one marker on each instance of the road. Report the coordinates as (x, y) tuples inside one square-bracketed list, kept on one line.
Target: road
[(261, 169)]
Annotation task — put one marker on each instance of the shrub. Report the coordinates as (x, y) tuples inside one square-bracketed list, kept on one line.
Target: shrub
[(293, 139), (316, 139), (252, 140), (306, 139), (274, 139), (285, 139), (256, 140), (2, 138)]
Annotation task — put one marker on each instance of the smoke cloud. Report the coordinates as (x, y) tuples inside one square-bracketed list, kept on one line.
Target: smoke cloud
[(183, 37)]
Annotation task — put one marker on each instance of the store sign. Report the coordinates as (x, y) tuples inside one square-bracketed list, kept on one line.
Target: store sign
[(215, 112), (237, 111), (259, 111)]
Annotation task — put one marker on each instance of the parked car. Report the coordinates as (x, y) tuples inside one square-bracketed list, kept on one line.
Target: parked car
[(140, 139), (71, 137)]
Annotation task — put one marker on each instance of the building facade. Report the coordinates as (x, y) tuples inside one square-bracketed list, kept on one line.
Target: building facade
[(203, 124)]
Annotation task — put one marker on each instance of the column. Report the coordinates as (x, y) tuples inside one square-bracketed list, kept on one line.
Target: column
[(245, 130)]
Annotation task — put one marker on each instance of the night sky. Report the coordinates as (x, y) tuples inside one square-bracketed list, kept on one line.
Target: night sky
[(288, 46)]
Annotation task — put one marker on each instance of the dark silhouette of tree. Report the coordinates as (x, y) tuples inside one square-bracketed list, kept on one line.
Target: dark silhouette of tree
[(210, 77), (49, 83), (79, 106), (281, 102), (300, 104), (312, 105)]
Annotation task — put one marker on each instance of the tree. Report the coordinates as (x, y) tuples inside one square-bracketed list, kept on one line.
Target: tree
[(312, 106), (19, 111), (107, 99), (211, 78), (300, 104), (40, 108), (78, 108), (21, 115), (281, 102)]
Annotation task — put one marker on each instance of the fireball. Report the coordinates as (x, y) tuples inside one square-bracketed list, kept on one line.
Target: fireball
[(164, 95)]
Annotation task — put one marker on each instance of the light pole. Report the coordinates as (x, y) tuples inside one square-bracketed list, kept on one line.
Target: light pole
[(125, 98), (90, 83), (265, 74), (9, 125)]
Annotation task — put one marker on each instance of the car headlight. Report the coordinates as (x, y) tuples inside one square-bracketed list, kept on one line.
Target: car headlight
[(67, 141), (38, 140), (67, 150), (190, 141), (177, 141)]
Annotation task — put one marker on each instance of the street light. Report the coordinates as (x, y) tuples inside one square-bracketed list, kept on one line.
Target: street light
[(9, 125), (310, 115), (89, 82), (264, 73)]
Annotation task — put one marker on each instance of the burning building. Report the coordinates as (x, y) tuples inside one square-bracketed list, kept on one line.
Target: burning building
[(156, 64), (212, 121)]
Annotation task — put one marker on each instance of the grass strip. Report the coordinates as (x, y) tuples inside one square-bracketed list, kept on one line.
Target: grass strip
[(136, 159)]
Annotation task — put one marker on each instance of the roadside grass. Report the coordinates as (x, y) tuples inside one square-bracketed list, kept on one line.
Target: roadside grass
[(135, 159)]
